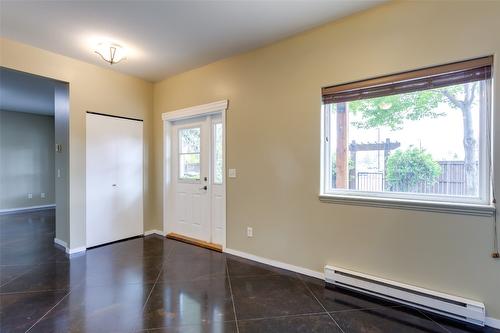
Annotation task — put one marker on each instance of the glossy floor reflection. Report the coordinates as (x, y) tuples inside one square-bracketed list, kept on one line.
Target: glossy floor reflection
[(152, 284)]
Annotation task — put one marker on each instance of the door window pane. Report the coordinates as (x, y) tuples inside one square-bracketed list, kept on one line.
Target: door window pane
[(189, 153), (218, 158), (190, 140), (189, 166)]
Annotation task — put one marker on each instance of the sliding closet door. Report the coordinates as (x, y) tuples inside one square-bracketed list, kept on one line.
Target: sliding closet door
[(114, 190)]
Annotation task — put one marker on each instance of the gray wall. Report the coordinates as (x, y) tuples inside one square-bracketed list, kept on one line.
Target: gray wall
[(26, 159), (61, 114)]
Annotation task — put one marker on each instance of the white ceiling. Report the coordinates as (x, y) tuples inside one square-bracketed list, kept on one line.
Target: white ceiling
[(22, 92), (165, 37)]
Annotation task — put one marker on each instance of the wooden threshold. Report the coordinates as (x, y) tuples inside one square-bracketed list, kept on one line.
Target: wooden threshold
[(193, 241)]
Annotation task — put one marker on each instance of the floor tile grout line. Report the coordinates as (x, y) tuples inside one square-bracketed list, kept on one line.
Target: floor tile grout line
[(46, 313), (28, 264), (321, 304), (152, 288), (251, 276), (287, 316), (183, 326), (368, 308), (155, 283), (232, 297), (35, 291), (15, 278), (157, 277), (435, 322)]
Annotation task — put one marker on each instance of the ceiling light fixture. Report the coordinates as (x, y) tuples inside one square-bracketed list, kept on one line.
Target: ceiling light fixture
[(110, 52)]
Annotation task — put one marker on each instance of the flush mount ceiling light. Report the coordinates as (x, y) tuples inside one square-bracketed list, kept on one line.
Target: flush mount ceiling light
[(110, 52)]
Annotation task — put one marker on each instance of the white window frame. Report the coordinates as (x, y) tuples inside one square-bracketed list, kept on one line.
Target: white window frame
[(481, 206)]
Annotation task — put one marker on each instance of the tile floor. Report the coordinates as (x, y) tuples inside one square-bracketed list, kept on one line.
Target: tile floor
[(153, 284)]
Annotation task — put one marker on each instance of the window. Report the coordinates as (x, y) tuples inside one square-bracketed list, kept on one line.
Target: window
[(189, 153), (422, 135), (218, 158)]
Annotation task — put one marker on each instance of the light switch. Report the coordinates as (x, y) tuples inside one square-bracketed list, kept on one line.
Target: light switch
[(232, 173)]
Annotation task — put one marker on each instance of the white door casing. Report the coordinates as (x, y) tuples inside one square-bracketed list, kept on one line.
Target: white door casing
[(215, 196), (114, 179)]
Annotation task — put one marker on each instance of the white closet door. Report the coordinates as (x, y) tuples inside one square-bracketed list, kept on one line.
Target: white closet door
[(114, 173)]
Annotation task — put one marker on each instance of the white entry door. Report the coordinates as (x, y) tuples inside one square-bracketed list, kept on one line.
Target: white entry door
[(114, 179), (197, 176)]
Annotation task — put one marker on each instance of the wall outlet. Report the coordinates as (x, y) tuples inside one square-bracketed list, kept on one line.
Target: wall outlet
[(249, 232), (58, 173), (30, 195), (42, 195), (232, 173)]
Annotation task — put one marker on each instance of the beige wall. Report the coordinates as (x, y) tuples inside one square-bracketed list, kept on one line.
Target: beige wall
[(26, 159), (273, 140), (95, 89)]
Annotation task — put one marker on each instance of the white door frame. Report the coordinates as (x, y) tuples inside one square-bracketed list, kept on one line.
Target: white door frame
[(168, 118)]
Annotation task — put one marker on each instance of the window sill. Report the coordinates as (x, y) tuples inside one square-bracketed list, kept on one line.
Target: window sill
[(437, 207)]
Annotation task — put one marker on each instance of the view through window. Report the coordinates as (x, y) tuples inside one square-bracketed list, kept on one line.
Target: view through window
[(189, 153), (430, 140)]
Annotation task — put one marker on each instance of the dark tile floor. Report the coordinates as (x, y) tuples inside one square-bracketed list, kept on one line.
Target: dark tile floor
[(153, 284)]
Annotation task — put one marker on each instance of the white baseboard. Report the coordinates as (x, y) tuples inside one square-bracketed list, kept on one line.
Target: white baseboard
[(25, 209), (67, 249), (154, 232), (275, 263), (61, 243), (492, 322), (76, 250)]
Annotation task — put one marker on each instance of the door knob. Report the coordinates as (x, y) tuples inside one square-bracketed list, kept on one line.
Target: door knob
[(113, 185), (204, 188)]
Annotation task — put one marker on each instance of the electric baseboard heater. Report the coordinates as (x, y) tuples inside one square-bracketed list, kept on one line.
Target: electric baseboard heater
[(443, 304)]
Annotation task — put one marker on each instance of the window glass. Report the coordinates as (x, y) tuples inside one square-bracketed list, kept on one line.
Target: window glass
[(427, 143), (190, 140), (189, 153), (218, 157)]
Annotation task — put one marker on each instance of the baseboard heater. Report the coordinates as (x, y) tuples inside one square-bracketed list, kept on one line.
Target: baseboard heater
[(443, 304)]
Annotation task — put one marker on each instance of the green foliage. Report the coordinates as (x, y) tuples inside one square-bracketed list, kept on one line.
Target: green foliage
[(393, 110), (350, 165), (406, 169)]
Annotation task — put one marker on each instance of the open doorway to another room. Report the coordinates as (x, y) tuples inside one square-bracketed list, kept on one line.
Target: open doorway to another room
[(34, 164)]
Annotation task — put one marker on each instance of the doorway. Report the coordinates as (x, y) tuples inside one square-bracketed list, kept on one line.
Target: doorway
[(194, 166), (34, 150)]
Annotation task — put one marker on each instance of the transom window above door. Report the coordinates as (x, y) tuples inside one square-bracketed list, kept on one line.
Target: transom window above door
[(423, 135), (189, 153)]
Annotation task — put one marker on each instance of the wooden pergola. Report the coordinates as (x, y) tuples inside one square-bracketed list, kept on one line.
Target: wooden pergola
[(345, 176)]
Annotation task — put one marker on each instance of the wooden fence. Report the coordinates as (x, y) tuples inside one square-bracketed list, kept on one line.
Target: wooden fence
[(450, 182)]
